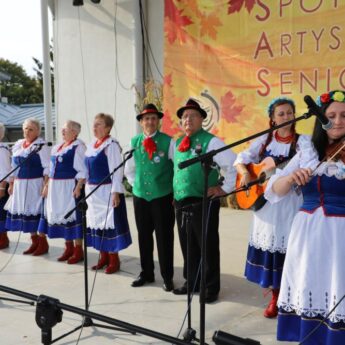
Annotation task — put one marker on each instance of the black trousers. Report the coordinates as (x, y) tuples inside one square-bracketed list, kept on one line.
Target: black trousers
[(212, 261), (156, 216)]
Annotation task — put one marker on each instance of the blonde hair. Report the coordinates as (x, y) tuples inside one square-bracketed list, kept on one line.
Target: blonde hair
[(108, 119), (33, 121)]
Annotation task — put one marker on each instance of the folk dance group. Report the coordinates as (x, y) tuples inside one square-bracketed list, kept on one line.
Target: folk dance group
[(296, 237)]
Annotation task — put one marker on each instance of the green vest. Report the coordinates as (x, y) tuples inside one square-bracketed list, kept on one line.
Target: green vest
[(189, 182), (153, 178)]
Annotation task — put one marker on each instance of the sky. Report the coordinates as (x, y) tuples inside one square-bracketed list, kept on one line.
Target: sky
[(20, 32)]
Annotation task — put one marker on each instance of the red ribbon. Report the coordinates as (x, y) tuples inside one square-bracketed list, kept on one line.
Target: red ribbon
[(149, 146), (184, 144)]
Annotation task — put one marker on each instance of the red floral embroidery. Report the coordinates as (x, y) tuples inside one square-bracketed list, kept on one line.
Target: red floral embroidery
[(325, 98), (149, 146), (184, 144)]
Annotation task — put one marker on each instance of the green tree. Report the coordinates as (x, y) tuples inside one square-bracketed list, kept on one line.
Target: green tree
[(39, 70), (21, 88)]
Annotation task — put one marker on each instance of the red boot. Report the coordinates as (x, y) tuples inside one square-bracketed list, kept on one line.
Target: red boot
[(4, 241), (272, 310), (69, 248), (103, 261), (34, 244), (78, 255), (43, 246), (114, 264)]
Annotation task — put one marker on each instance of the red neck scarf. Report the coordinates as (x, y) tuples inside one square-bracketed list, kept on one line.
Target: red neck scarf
[(99, 142), (184, 144), (63, 145), (149, 146), (284, 140)]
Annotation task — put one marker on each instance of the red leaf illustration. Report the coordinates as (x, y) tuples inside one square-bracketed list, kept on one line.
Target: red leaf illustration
[(175, 22), (230, 111), (236, 5), (209, 25)]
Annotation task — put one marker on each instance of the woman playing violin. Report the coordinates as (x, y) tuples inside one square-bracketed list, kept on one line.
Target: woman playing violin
[(313, 280), (269, 234)]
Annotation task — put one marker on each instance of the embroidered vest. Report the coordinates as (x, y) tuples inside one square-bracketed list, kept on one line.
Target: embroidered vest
[(98, 168), (62, 165), (189, 182), (153, 178), (326, 192), (32, 168)]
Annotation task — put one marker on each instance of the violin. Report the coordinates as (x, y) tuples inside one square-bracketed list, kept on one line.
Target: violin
[(336, 151)]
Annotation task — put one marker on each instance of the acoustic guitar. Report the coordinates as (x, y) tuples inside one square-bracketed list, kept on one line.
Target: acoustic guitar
[(259, 174)]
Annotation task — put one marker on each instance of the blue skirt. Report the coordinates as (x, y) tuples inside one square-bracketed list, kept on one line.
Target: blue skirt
[(69, 231), (21, 222), (292, 327), (112, 240), (264, 268)]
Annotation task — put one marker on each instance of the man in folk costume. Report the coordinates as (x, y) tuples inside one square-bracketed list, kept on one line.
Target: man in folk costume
[(188, 191), (150, 172)]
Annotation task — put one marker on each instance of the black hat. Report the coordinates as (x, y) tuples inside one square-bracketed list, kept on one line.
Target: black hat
[(191, 104), (149, 109)]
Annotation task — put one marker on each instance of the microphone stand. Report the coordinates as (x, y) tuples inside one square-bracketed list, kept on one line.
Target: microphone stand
[(35, 150), (82, 207), (206, 161), (49, 313)]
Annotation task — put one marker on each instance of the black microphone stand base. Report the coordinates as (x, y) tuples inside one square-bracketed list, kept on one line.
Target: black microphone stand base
[(189, 335)]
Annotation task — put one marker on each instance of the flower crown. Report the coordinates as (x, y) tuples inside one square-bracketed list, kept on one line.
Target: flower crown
[(276, 100), (337, 96)]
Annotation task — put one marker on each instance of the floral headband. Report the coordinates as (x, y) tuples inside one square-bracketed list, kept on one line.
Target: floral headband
[(325, 98), (279, 99)]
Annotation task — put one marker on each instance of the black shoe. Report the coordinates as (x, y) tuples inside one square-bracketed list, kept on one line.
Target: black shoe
[(210, 298), (168, 285), (181, 290), (141, 280)]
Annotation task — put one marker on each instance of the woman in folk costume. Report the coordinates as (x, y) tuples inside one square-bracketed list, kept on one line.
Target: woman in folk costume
[(66, 178), (269, 234), (25, 205), (313, 281), (108, 229), (5, 168)]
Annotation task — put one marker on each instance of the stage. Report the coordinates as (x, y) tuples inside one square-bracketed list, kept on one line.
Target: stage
[(238, 310)]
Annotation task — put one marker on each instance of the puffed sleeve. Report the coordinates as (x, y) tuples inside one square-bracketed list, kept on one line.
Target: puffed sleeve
[(225, 160), (44, 154), (113, 153), (251, 155), (5, 162), (79, 162), (306, 158)]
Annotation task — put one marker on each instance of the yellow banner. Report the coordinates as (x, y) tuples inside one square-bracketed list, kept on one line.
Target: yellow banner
[(235, 56)]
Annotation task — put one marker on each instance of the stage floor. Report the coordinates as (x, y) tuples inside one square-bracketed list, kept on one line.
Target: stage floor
[(238, 310)]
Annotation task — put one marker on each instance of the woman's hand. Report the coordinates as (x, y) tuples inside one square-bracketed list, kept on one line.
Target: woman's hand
[(44, 190), (245, 179), (115, 198), (300, 177), (10, 188)]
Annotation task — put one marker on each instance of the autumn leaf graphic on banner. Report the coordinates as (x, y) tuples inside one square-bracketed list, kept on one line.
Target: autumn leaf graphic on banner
[(230, 111), (236, 5), (209, 25), (175, 23)]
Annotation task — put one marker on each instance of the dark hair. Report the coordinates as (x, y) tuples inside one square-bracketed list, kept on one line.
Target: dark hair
[(271, 110), (320, 137)]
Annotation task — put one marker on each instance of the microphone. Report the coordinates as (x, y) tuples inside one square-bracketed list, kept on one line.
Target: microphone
[(316, 110)]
